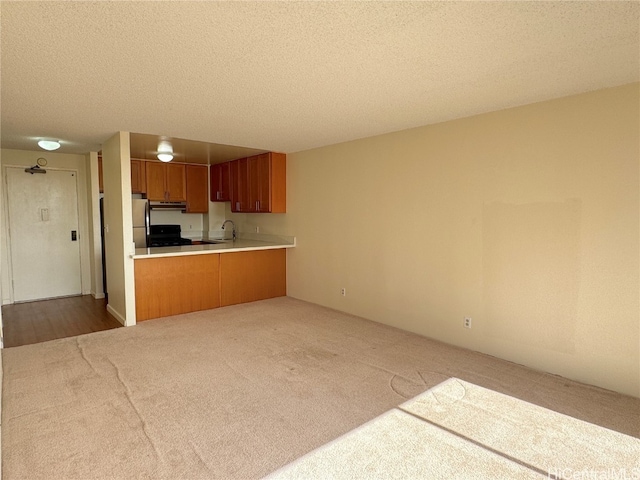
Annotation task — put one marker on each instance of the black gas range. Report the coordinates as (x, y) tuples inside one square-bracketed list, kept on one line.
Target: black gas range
[(166, 236)]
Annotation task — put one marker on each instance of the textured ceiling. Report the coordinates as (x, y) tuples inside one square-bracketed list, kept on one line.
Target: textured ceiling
[(289, 76)]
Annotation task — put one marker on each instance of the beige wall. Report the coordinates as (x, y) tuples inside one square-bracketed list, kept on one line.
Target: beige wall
[(78, 163), (526, 220), (116, 169)]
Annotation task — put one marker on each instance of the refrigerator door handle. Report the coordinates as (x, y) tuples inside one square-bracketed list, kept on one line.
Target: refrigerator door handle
[(147, 222)]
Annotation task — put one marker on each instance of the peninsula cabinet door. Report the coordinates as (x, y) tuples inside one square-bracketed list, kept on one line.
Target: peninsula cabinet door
[(173, 285), (253, 275)]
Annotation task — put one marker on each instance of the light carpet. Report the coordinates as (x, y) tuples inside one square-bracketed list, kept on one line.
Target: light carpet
[(239, 392), (460, 430)]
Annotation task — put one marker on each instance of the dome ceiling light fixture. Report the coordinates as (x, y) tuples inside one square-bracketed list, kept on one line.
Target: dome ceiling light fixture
[(165, 151), (49, 145)]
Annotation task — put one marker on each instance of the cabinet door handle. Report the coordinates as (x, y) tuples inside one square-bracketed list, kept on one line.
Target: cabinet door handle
[(218, 195)]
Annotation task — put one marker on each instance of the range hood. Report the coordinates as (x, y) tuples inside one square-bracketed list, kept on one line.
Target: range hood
[(182, 206)]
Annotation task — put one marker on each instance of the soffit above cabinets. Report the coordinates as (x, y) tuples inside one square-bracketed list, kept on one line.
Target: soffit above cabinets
[(145, 147)]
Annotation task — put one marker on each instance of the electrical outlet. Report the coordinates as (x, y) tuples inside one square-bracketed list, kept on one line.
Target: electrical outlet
[(343, 292), (467, 322)]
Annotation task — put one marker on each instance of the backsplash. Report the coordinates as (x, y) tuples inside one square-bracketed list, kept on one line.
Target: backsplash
[(189, 222)]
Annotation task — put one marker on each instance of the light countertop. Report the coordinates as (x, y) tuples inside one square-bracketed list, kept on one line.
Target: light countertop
[(242, 244)]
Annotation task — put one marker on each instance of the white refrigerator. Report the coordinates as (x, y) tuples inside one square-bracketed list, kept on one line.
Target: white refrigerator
[(140, 213)]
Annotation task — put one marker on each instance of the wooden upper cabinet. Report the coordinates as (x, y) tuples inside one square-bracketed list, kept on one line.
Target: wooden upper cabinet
[(239, 174), (100, 176), (176, 182), (138, 180), (220, 183), (138, 176), (156, 188), (259, 184), (278, 186), (166, 182), (197, 188)]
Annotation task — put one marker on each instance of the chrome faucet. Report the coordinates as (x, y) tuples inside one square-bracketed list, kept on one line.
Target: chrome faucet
[(233, 232)]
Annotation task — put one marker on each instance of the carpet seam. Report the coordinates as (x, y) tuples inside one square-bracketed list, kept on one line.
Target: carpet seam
[(483, 446)]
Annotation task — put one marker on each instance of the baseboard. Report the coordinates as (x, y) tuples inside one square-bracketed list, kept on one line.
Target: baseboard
[(97, 296), (116, 314)]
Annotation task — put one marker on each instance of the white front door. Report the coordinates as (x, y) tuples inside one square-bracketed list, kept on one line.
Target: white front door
[(45, 253)]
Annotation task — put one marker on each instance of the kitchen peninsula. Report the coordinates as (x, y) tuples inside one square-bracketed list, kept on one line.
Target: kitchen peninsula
[(188, 278)]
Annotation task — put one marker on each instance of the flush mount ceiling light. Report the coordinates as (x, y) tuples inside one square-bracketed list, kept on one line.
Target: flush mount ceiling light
[(49, 144), (165, 151)]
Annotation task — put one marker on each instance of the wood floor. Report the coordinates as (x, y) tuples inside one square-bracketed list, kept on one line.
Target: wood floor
[(35, 322)]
